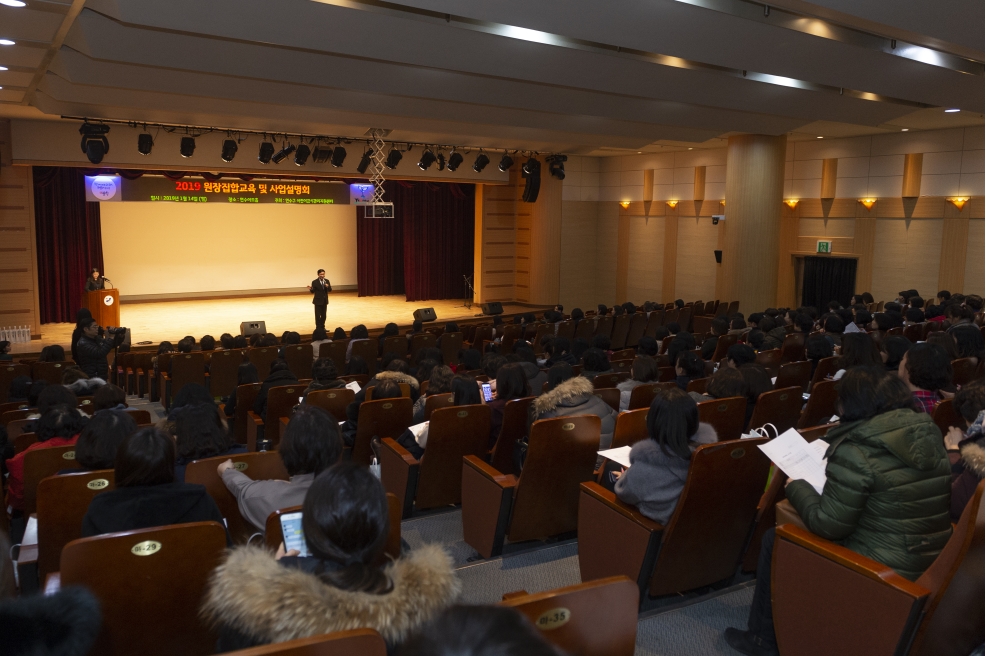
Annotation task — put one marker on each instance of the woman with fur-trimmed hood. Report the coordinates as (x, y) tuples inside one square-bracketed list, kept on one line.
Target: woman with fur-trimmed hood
[(396, 371), (257, 598), (965, 449), (569, 395)]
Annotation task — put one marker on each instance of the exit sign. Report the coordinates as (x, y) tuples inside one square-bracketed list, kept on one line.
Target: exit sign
[(823, 246)]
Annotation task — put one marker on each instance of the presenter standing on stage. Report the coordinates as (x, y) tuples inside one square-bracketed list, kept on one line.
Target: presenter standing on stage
[(95, 282), (320, 289)]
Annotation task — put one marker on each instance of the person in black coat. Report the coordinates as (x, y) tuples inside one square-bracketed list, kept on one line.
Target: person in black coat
[(320, 289), (95, 282), (146, 493), (82, 319), (279, 375), (91, 350)]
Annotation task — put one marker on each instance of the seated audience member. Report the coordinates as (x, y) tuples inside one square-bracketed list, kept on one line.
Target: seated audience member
[(356, 366), (833, 328), (755, 339), (569, 395), (942, 297), (146, 493), (817, 348), (737, 326), (862, 319), (757, 381), (753, 321), (926, 369), (674, 328), (947, 342), (324, 376), (492, 363), (916, 301), (201, 433), (465, 391), (268, 340), (280, 374), (577, 316), (965, 448), (390, 330), (479, 631), (957, 315), (719, 327), (594, 361), (311, 444), (602, 343), (81, 385), (341, 584), (256, 340), (892, 351), (469, 360), (579, 346), (227, 342), (39, 386), (687, 368), (740, 354), (385, 388), (858, 350), (109, 397), (648, 346), (559, 350), (913, 316), (207, 343), (417, 328), (968, 341), (101, 438), (240, 342), (659, 465), (5, 355), (885, 497), (643, 371), (357, 334), (528, 362), (319, 337), (439, 382), (511, 383), (52, 353), (59, 425), (20, 388), (881, 322), (723, 384), (774, 334), (246, 374)]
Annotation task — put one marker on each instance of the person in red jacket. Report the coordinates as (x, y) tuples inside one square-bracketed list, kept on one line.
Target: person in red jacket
[(60, 425)]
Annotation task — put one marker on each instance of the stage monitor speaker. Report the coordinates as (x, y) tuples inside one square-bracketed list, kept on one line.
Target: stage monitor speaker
[(718, 256), (425, 314), (252, 328), (492, 308)]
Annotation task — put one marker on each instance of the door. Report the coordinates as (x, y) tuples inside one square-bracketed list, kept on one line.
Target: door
[(828, 279)]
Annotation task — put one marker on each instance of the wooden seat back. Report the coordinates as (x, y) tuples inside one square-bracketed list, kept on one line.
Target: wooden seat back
[(621, 329), (333, 401), (223, 372), (335, 351), (727, 416), (671, 315), (453, 434), (510, 334), (186, 369), (85, 405), (566, 329), (281, 401), (701, 325), (16, 415), (299, 358), (143, 577), (365, 642), (643, 395), (124, 363), (945, 417), (50, 371), (766, 519), (655, 320), (611, 396), (451, 344), (780, 407), (513, 428), (258, 466), (246, 396), (821, 404), (722, 346), (826, 368), (367, 349), (383, 418), (733, 308), (422, 341), (597, 618), (914, 332), (8, 372), (360, 379), (794, 374), (404, 387), (965, 370), (623, 354), (685, 318), (561, 454), (609, 379), (631, 427), (604, 326), (21, 439), (437, 402), (41, 463), (396, 344), (143, 366), (12, 405), (542, 330), (793, 348), (62, 502), (770, 360), (584, 330), (704, 539), (698, 385), (262, 357), (482, 334)]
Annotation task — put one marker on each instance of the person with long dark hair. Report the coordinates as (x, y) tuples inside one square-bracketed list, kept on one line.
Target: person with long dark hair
[(200, 432), (246, 374), (59, 425)]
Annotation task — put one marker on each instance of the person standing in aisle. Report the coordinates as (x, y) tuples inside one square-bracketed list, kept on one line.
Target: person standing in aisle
[(320, 289)]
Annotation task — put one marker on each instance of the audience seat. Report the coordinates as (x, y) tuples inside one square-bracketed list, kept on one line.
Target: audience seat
[(638, 324), (642, 396), (367, 349), (404, 387), (62, 502), (16, 415), (223, 369), (654, 321), (827, 367), (698, 385), (509, 333), (722, 346), (631, 427), (8, 372), (821, 404), (12, 405), (21, 439), (418, 342), (383, 418), (359, 379), (543, 501), (280, 402), (794, 374), (685, 319), (780, 407), (596, 618), (50, 371), (335, 351), (609, 380), (396, 344), (450, 345), (702, 542), (585, 330), (727, 416), (299, 358), (793, 348), (770, 360), (513, 428), (813, 433), (357, 642), (186, 369), (333, 401), (965, 370), (625, 354), (542, 330), (914, 332), (246, 396), (39, 465), (733, 308), (621, 329), (437, 401), (143, 365), (435, 480), (258, 466), (610, 395), (150, 584), (566, 329), (945, 417), (766, 518), (702, 324), (604, 326)]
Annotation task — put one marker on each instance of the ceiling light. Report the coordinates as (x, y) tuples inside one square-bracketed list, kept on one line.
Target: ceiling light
[(94, 142), (689, 149), (3, 68), (144, 143), (282, 154), (904, 129), (791, 202), (506, 162), (321, 154), (868, 203), (819, 137), (364, 162), (556, 166), (441, 161), (187, 146), (454, 160), (952, 111), (672, 204), (338, 156), (301, 155), (229, 150), (13, 3), (6, 42), (481, 161), (624, 204), (958, 202), (393, 159), (427, 159), (266, 152)]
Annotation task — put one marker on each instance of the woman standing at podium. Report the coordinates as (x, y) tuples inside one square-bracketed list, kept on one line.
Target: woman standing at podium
[(95, 282)]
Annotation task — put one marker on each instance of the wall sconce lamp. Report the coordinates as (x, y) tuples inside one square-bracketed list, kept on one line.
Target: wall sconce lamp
[(672, 204), (624, 204), (868, 203), (791, 202), (959, 202)]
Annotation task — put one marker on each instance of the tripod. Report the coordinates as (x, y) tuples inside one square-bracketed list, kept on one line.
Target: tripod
[(467, 293)]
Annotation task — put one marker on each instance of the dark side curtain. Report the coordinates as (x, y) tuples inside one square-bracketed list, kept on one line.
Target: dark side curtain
[(828, 279), (433, 230), (69, 240)]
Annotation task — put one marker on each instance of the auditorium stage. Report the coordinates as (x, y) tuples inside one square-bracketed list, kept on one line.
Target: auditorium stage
[(172, 320)]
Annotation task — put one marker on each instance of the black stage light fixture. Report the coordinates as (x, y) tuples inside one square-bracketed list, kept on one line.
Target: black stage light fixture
[(506, 162), (94, 141), (145, 143), (338, 156), (282, 154), (427, 159), (556, 166), (229, 150), (441, 161), (364, 162), (481, 161), (266, 152), (301, 155), (532, 176), (187, 147), (321, 154), (393, 159), (454, 159)]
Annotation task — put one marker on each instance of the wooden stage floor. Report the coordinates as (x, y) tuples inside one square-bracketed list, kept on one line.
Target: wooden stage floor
[(172, 320)]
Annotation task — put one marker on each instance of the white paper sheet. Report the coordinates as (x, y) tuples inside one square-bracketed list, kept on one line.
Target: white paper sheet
[(853, 328), (420, 432), (353, 385), (619, 455), (797, 458), (30, 531)]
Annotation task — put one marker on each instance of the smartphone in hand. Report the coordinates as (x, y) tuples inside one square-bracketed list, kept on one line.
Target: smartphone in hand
[(487, 390), (294, 537)]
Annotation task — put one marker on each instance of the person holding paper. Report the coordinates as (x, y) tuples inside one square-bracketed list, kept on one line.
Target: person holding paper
[(324, 376), (886, 493)]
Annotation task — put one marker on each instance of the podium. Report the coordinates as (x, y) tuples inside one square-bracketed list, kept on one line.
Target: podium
[(104, 305)]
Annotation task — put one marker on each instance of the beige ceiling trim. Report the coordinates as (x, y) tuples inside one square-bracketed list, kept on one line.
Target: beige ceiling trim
[(56, 43)]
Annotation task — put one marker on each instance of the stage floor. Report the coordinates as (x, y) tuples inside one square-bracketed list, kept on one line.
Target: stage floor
[(172, 320)]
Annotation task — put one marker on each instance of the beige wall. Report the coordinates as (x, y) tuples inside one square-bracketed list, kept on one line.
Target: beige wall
[(906, 256), (646, 258), (695, 273), (974, 278), (208, 248), (18, 248)]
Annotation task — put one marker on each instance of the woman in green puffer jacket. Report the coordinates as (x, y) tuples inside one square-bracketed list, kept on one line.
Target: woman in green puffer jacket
[(886, 493)]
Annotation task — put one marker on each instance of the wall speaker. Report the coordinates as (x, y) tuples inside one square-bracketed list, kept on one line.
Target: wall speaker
[(492, 308), (425, 314), (253, 327), (718, 256)]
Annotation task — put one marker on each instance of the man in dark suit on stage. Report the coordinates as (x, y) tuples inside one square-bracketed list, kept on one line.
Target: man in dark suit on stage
[(320, 289)]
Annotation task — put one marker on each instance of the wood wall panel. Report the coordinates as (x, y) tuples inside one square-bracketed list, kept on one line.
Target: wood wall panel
[(864, 235), (907, 255), (911, 186), (622, 257), (786, 266), (699, 188), (495, 261), (695, 268), (669, 273), (545, 242), (954, 247), (830, 173), (579, 260), (975, 281), (19, 303), (646, 258)]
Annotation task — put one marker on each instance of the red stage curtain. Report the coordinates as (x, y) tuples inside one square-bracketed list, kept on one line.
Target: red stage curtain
[(379, 256), (69, 240)]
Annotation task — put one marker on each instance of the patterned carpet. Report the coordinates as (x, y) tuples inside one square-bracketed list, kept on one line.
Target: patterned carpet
[(697, 627)]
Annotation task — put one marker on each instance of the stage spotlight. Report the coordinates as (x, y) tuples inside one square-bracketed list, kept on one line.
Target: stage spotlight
[(94, 141), (282, 154), (266, 152), (301, 155), (506, 162), (532, 176), (229, 150), (187, 147), (145, 143), (321, 154), (393, 159), (556, 166), (454, 159), (481, 161), (441, 161), (427, 159), (338, 156), (364, 162)]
